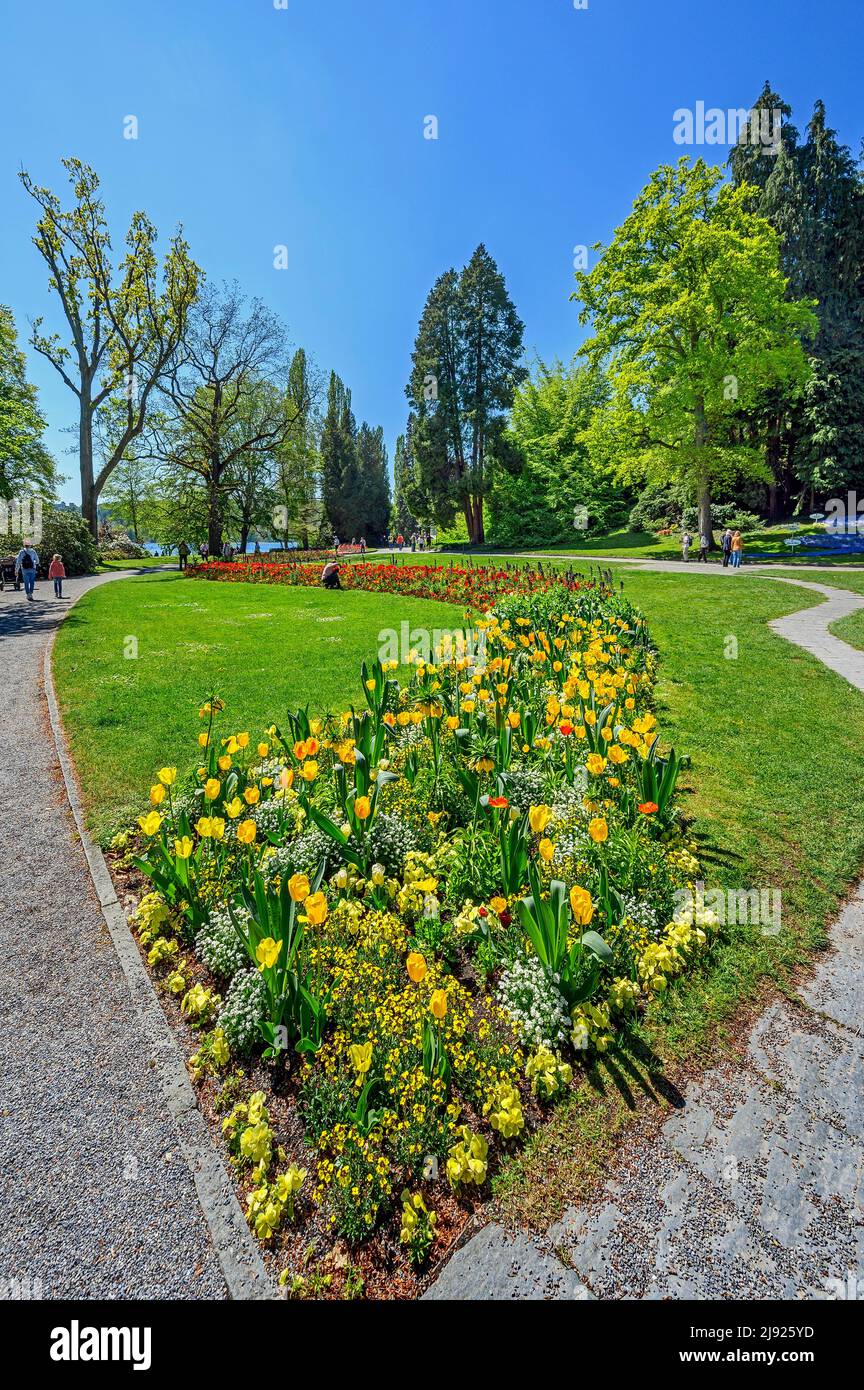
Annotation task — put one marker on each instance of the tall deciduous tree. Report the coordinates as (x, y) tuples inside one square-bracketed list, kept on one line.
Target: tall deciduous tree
[(692, 325), (125, 329), (561, 490), (339, 459), (297, 482), (227, 411), (466, 366)]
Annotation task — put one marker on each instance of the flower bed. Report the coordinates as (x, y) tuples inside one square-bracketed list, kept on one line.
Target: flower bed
[(400, 931), (475, 586)]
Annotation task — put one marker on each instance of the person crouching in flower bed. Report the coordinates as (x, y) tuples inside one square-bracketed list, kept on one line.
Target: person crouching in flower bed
[(330, 575)]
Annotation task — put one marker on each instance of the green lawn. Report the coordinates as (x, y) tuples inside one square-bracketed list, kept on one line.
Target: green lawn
[(773, 801), (263, 649)]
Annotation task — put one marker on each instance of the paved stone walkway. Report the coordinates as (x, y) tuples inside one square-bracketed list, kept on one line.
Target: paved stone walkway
[(96, 1198), (754, 1187)]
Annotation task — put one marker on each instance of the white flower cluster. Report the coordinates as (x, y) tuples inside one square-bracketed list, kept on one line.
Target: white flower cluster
[(303, 855), (244, 1008), (391, 841), (219, 946), (526, 786), (535, 1005)]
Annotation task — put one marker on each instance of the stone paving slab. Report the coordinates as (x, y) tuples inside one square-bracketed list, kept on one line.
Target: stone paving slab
[(498, 1265)]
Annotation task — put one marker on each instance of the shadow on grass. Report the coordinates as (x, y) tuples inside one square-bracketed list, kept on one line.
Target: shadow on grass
[(635, 1066)]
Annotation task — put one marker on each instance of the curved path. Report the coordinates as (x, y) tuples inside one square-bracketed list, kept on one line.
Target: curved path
[(98, 1127), (753, 1187)]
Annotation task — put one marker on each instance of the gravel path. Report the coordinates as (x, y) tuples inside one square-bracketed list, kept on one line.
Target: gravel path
[(754, 1187), (96, 1197)]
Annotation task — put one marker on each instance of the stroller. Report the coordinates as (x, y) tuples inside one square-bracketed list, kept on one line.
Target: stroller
[(7, 573)]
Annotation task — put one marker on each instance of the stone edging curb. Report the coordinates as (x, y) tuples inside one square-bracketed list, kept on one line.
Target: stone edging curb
[(239, 1257)]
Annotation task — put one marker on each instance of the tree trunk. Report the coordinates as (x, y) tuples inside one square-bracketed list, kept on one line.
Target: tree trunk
[(214, 518), (89, 496), (772, 502), (703, 478), (244, 538)]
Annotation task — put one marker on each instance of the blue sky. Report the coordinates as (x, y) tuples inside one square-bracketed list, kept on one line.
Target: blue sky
[(303, 126)]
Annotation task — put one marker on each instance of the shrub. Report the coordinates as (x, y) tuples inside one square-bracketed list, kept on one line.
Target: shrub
[(63, 533)]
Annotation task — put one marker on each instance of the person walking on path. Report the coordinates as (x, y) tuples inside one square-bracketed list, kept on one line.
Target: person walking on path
[(704, 546), (183, 552), (686, 542), (737, 548), (57, 572), (26, 566), (726, 543), (205, 551)]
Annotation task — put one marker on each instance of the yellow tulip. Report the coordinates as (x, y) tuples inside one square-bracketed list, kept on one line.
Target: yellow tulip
[(362, 807), (246, 832), (539, 817), (316, 909), (252, 796), (150, 823), (183, 848), (598, 830), (416, 967), (546, 850), (212, 788), (582, 905), (263, 750), (167, 776), (157, 794), (234, 807), (267, 952), (438, 1004), (309, 771), (298, 887)]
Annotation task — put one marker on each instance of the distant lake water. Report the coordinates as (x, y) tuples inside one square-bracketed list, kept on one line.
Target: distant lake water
[(154, 549)]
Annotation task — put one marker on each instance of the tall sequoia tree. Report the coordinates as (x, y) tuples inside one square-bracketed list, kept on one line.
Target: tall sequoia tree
[(813, 197), (125, 330), (691, 321), (466, 367)]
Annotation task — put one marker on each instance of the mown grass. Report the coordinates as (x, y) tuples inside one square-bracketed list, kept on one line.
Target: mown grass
[(772, 798), (263, 650)]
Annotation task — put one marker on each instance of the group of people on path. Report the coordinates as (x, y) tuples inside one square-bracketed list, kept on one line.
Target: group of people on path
[(420, 540), (731, 545), (27, 571)]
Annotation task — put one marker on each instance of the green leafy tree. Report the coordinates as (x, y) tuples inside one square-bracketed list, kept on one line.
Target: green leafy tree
[(466, 367), (560, 490), (296, 485), (125, 327), (692, 325), (339, 460), (813, 197), (26, 467), (409, 506), (373, 484)]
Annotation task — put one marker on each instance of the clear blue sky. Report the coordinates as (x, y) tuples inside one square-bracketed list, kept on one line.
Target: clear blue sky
[(304, 126)]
